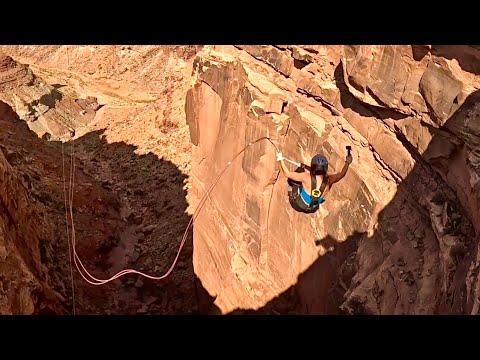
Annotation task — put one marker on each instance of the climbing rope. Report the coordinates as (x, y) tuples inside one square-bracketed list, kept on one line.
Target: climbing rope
[(95, 281), (68, 231), (66, 216)]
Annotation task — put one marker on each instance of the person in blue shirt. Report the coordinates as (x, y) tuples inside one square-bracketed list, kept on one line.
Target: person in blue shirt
[(308, 186)]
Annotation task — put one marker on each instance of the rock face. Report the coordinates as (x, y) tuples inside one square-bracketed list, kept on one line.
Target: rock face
[(115, 74), (399, 234), (46, 108), (23, 277)]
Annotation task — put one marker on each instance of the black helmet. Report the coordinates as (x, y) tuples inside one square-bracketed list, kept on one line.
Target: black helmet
[(319, 164)]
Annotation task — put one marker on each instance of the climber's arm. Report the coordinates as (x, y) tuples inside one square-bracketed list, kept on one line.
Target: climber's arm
[(291, 174), (339, 176)]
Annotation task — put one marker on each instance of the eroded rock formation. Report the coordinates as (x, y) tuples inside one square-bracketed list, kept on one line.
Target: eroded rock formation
[(47, 110), (24, 286), (397, 235)]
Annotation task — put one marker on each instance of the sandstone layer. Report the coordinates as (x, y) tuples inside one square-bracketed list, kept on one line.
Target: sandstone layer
[(46, 109), (399, 235), (137, 93)]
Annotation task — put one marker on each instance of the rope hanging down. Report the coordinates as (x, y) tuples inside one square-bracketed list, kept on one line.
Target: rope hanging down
[(95, 281)]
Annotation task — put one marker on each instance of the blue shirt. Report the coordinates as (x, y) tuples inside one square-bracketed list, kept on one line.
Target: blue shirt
[(308, 199)]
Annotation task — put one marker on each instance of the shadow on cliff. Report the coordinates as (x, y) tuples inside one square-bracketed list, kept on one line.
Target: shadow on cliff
[(49, 100), (322, 288), (351, 102), (153, 200), (468, 56), (319, 289)]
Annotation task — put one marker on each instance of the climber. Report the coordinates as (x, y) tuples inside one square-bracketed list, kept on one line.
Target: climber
[(304, 194)]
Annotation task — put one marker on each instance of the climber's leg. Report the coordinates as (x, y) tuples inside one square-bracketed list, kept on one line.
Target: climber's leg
[(294, 188), (295, 199)]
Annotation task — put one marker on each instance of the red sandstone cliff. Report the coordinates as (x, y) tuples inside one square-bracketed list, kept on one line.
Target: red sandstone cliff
[(397, 235), (23, 285)]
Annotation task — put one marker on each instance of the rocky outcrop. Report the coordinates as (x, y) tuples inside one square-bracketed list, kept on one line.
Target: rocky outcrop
[(140, 90), (23, 277), (420, 82), (397, 235), (45, 107), (13, 74), (443, 117), (21, 290)]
